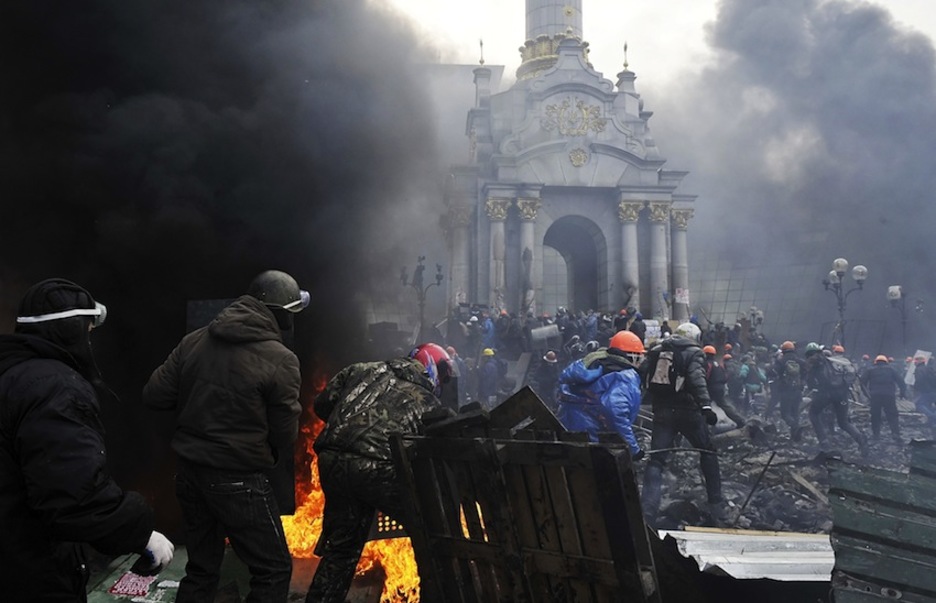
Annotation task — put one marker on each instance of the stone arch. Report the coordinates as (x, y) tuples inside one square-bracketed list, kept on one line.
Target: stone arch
[(575, 260)]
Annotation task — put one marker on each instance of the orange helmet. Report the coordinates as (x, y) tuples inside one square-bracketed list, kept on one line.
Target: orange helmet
[(880, 358), (787, 345), (727, 347), (709, 349), (726, 357), (837, 349), (626, 341)]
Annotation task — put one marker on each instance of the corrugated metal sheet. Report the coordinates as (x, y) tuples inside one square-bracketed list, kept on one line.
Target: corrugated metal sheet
[(884, 532), (746, 554)]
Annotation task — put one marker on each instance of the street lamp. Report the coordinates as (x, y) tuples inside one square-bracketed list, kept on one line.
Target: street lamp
[(897, 300), (421, 289), (834, 283)]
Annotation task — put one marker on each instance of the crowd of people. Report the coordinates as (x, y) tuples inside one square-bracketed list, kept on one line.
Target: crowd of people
[(233, 388), (604, 367)]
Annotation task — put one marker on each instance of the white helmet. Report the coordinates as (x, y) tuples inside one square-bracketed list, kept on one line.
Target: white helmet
[(689, 331)]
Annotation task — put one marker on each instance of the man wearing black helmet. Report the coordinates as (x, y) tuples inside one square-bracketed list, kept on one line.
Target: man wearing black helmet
[(55, 493), (361, 406), (234, 386)]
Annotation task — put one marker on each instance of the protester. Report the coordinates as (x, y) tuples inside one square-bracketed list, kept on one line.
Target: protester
[(234, 386), (674, 375), (791, 374), (601, 392), (361, 406), (882, 382), (831, 383), (56, 495)]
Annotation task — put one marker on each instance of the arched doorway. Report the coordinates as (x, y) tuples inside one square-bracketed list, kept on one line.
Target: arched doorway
[(575, 265)]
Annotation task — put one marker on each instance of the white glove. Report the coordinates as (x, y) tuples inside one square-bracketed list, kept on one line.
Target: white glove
[(159, 550)]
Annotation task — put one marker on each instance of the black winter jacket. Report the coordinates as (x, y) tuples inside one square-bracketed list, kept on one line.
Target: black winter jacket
[(235, 389), (55, 492), (366, 402), (694, 391), (883, 380)]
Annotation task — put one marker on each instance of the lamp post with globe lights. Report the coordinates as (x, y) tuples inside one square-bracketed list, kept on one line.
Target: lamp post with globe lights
[(834, 282), (897, 299)]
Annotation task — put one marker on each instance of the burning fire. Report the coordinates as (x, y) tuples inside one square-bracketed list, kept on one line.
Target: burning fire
[(393, 556)]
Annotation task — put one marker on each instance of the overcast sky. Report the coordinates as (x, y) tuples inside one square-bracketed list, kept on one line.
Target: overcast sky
[(664, 37)]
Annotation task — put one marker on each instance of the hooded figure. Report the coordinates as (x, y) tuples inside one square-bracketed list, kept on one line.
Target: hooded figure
[(234, 388), (56, 496)]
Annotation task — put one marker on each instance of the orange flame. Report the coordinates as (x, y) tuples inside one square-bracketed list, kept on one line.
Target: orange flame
[(394, 556)]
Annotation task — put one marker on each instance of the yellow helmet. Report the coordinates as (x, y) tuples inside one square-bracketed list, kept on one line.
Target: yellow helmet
[(487, 352)]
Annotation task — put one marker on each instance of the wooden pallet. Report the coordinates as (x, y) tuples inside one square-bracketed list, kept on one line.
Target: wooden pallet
[(505, 509)]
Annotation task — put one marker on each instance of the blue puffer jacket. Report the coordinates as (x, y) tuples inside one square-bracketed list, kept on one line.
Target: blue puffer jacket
[(600, 393)]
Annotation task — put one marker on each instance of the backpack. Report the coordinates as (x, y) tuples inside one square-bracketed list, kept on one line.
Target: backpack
[(667, 374), (791, 374), (844, 373)]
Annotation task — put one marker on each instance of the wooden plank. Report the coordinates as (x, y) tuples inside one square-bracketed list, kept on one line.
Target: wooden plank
[(568, 522), (525, 410), (885, 564), (923, 458), (849, 589), (876, 484), (528, 532), (811, 488), (432, 574), (625, 528), (901, 527)]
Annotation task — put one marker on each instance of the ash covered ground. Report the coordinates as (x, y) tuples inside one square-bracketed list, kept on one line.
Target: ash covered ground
[(790, 495)]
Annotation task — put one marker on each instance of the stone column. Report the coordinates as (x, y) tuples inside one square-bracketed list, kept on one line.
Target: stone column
[(496, 208), (459, 221), (528, 208), (659, 282), (680, 223), (628, 213)]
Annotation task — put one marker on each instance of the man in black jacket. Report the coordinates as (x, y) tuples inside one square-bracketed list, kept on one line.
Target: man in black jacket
[(234, 386), (882, 382), (361, 406), (55, 493), (674, 374), (791, 378)]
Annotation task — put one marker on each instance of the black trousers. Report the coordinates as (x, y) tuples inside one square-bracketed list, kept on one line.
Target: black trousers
[(790, 401), (887, 404), (839, 406), (667, 423), (217, 503)]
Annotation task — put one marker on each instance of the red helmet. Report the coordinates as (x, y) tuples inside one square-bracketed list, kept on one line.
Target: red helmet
[(627, 341), (838, 349), (437, 362), (787, 345), (709, 349)]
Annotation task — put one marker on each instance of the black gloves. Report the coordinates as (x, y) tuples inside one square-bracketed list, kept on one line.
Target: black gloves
[(640, 454), (710, 417)]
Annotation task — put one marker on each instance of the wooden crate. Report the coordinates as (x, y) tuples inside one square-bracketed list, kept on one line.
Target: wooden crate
[(524, 518)]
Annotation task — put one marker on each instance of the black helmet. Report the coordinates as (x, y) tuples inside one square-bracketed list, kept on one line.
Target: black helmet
[(279, 290)]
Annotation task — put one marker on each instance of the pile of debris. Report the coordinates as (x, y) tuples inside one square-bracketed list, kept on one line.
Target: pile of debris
[(770, 482)]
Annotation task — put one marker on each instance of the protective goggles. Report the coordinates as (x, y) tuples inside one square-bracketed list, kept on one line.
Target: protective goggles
[(98, 312), (300, 304)]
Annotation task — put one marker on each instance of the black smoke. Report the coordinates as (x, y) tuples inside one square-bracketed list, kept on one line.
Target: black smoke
[(162, 152), (811, 136)]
